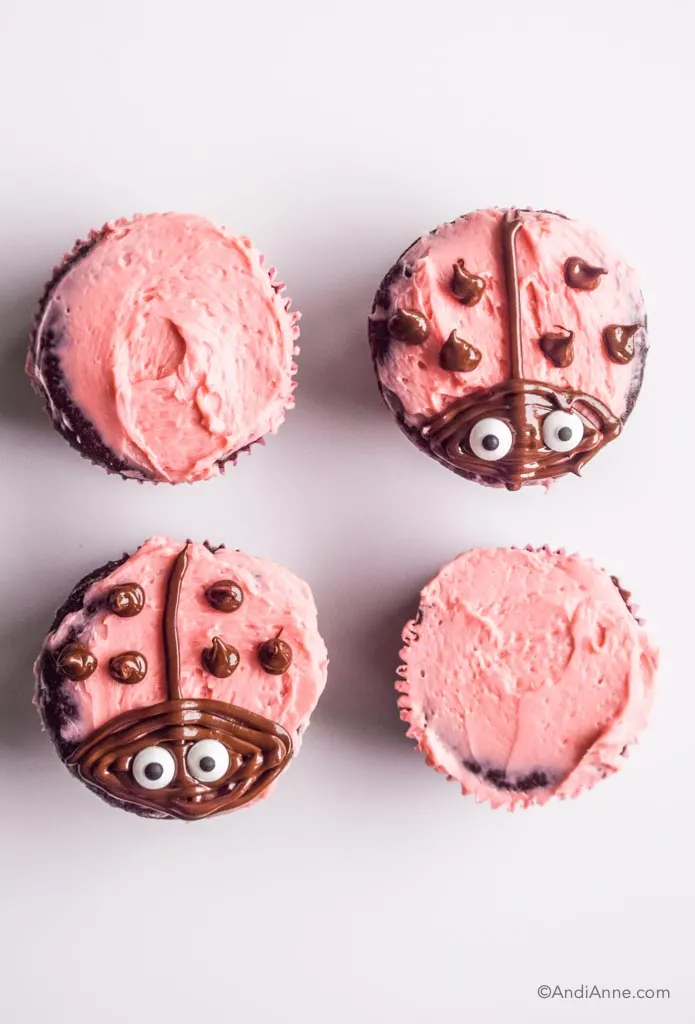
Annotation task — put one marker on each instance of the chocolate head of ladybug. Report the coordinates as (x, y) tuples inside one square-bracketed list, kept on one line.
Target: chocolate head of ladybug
[(176, 683), (510, 345)]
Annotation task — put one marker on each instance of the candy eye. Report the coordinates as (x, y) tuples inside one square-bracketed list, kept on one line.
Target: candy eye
[(490, 439), (208, 760), (154, 768), (562, 431)]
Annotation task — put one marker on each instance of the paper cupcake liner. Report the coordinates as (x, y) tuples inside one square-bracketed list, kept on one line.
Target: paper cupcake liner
[(609, 752)]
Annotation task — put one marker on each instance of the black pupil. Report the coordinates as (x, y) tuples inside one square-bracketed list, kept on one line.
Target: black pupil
[(207, 763), (491, 442), (565, 434), (154, 771)]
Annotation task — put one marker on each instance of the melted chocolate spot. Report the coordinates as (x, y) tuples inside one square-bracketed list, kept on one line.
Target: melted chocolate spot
[(458, 355), (126, 600), (408, 326), (221, 659), (581, 275), (128, 668), (558, 347), (619, 340), (275, 656), (76, 662), (225, 595), (468, 288)]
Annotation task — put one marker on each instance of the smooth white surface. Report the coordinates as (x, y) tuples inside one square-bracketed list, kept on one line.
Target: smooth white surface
[(334, 134)]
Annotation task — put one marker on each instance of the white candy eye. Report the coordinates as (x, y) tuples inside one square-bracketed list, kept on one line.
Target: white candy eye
[(208, 760), (562, 431), (154, 767), (490, 439)]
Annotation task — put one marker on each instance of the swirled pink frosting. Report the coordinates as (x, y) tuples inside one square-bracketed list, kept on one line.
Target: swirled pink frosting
[(526, 675), (176, 344)]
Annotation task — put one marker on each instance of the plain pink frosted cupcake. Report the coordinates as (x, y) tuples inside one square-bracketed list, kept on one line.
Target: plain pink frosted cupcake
[(164, 347), (510, 345), (525, 675), (177, 682)]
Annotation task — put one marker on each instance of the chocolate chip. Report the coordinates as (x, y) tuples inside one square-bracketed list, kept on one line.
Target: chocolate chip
[(225, 595), (127, 600), (468, 288), (558, 347), (221, 659), (619, 340), (408, 326), (275, 656), (581, 275), (76, 662), (458, 355), (128, 668)]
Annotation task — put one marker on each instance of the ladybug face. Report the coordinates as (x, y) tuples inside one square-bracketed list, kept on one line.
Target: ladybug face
[(189, 673), (187, 758), (510, 345)]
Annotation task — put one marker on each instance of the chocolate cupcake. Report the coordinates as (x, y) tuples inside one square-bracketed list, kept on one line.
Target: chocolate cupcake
[(525, 675), (176, 682), (163, 348), (510, 345)]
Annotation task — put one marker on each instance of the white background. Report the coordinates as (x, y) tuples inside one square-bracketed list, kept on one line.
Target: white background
[(367, 889)]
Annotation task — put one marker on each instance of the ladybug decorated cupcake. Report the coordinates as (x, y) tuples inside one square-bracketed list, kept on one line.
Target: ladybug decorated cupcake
[(177, 682), (164, 347), (510, 345)]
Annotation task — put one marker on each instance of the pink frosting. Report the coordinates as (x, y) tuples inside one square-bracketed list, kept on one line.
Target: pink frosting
[(543, 244), (525, 662), (176, 344), (274, 599)]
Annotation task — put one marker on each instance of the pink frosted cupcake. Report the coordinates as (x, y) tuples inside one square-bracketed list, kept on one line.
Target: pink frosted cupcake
[(510, 345), (176, 682), (525, 675), (163, 348)]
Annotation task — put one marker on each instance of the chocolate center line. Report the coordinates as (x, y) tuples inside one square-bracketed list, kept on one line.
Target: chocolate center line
[(510, 227), (170, 631)]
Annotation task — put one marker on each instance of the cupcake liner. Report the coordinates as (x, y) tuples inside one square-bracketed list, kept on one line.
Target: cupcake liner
[(46, 378), (602, 759)]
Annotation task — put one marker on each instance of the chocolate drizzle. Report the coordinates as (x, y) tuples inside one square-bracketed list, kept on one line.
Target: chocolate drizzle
[(620, 342), (225, 595), (130, 667), (221, 659), (558, 347), (275, 656), (408, 326), (529, 459), (126, 600), (468, 288), (170, 628), (258, 748), (581, 275), (76, 662), (458, 355)]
